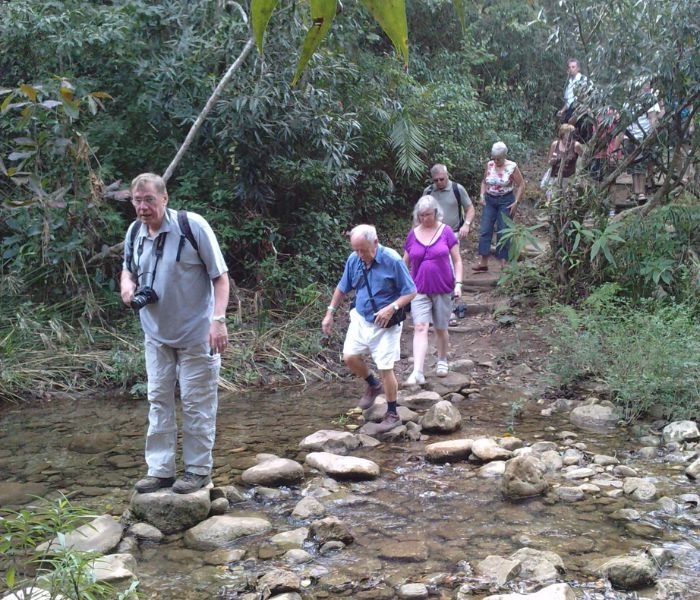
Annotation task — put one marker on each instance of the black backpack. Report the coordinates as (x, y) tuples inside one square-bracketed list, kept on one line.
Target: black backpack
[(185, 228), (455, 191)]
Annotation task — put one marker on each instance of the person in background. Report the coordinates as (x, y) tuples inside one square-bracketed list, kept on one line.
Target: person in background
[(382, 287), (502, 188), (181, 293), (431, 251), (455, 203), (563, 155)]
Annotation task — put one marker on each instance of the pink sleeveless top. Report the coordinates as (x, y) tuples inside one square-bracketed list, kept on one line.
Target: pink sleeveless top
[(499, 184)]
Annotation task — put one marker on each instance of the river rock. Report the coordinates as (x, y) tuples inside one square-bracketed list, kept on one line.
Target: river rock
[(171, 512), (693, 469), (578, 473), (524, 477), (13, 493), (493, 469), (442, 417), (145, 532), (278, 581), (486, 449), (272, 471), (639, 488), (572, 457), (629, 572), (308, 507), (538, 565), (626, 514), (93, 443), (681, 431), (328, 529), (510, 443), (552, 461), (329, 440), (407, 415), (448, 451), (219, 506), (404, 551), (420, 401), (594, 416), (413, 591), (343, 467), (498, 569), (624, 471), (118, 570), (297, 556), (541, 447), (557, 591), (100, 535), (670, 589), (219, 531), (570, 494), (604, 460), (290, 539)]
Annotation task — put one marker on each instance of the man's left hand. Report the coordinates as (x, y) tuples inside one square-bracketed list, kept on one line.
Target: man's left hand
[(463, 231), (218, 337), (383, 316)]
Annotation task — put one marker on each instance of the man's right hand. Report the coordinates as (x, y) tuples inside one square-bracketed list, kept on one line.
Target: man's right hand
[(327, 323), (128, 287)]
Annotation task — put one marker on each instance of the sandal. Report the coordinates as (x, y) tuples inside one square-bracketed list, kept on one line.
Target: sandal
[(480, 269)]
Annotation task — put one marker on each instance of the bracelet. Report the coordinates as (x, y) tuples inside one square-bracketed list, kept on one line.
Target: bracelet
[(332, 308), (220, 318), (459, 283)]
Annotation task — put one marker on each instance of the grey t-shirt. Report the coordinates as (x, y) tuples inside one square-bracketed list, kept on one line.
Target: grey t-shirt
[(182, 315), (448, 203)]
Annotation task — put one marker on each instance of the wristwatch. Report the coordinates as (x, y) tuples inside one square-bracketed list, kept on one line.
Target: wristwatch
[(395, 306), (220, 318)]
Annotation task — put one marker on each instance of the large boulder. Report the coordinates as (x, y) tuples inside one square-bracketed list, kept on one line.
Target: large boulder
[(639, 488), (594, 416), (498, 569), (221, 530), (278, 581), (681, 431), (272, 471), (330, 440), (448, 451), (170, 512), (343, 467), (442, 417), (629, 572), (524, 477), (101, 535)]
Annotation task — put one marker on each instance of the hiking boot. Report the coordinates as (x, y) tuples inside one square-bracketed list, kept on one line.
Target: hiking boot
[(191, 482), (151, 483), (370, 396), (389, 422)]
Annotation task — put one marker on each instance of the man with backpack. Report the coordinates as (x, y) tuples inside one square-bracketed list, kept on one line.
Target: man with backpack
[(457, 207), (175, 276)]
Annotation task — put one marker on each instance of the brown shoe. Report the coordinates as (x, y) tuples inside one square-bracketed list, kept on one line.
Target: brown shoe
[(390, 421), (370, 396)]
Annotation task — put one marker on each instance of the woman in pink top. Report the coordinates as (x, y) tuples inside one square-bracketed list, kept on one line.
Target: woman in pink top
[(431, 252), (501, 190)]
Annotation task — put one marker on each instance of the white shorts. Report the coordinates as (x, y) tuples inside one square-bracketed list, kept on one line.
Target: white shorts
[(432, 308), (383, 344)]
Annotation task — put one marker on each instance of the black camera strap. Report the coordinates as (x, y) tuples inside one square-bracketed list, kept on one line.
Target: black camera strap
[(158, 251)]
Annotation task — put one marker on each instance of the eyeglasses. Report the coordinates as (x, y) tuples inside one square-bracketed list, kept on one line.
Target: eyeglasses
[(436, 179)]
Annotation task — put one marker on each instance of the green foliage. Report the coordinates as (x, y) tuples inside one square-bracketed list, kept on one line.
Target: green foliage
[(519, 236), (647, 355), (59, 570)]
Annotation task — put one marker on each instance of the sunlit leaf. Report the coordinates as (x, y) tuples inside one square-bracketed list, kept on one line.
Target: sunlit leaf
[(260, 13), (322, 15), (92, 105), (391, 16), (6, 104), (50, 104), (20, 155), (29, 91), (101, 95), (66, 94)]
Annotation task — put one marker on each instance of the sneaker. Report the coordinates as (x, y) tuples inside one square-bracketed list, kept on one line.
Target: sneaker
[(151, 483), (370, 396), (191, 482), (441, 368), (390, 421), (415, 378)]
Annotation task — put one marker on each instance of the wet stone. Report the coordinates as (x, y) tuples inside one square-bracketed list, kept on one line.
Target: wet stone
[(413, 591), (93, 443), (13, 493), (404, 551), (448, 451)]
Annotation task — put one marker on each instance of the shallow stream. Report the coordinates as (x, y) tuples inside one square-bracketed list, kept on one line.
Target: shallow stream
[(416, 520)]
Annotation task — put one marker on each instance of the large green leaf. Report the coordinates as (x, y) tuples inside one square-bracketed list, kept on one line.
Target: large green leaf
[(322, 15), (391, 16), (260, 13)]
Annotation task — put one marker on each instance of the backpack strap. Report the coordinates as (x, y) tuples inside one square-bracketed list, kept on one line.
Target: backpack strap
[(460, 208), (186, 234), (132, 234)]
